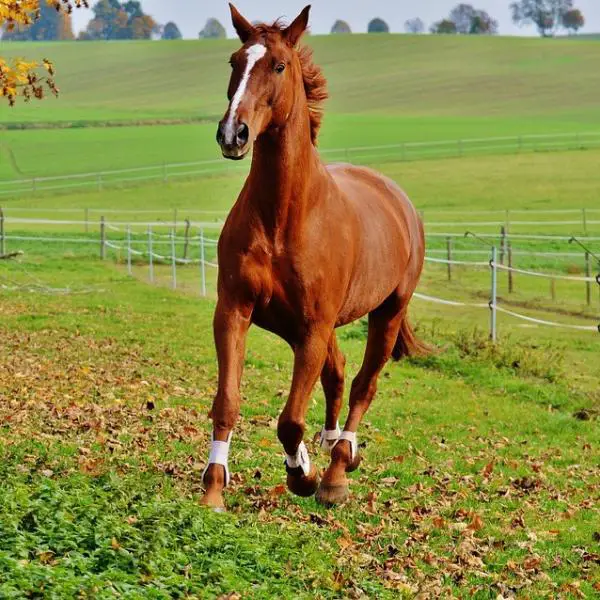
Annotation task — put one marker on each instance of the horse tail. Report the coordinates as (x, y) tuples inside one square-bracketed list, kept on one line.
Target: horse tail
[(408, 344)]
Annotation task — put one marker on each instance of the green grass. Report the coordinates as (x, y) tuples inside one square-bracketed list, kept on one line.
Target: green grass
[(481, 462), (384, 89), (545, 180), (103, 435)]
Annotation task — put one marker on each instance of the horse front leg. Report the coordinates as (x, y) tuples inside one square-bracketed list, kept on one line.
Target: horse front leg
[(231, 325), (310, 355), (332, 380)]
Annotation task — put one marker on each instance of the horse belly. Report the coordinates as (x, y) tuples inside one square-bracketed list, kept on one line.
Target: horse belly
[(377, 275)]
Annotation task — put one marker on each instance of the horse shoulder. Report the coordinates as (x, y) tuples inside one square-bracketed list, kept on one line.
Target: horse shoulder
[(244, 261)]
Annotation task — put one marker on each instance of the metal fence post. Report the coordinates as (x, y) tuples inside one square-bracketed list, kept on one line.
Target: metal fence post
[(449, 253), (150, 256), (102, 238), (202, 263), (173, 260), (129, 249), (2, 238), (494, 296)]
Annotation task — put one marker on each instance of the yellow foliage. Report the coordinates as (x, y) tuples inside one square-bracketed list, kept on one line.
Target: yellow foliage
[(23, 78)]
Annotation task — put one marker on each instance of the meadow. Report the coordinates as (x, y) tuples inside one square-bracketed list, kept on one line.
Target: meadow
[(384, 89), (480, 472)]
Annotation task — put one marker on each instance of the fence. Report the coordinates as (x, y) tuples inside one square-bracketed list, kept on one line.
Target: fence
[(360, 154), (200, 250), (493, 304)]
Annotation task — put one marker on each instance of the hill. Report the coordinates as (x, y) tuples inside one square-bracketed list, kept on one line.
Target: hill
[(390, 74), (384, 90)]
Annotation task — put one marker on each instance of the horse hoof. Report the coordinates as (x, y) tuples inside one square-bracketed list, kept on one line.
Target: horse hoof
[(330, 495), (214, 500), (303, 485), (354, 464)]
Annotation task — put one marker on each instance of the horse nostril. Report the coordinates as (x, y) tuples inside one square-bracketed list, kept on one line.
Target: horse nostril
[(220, 135), (243, 134)]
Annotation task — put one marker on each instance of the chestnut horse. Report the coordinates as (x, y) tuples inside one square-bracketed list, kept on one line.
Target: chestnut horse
[(305, 249)]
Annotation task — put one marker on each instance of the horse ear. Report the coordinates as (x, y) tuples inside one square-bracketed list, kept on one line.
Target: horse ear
[(294, 32), (243, 27)]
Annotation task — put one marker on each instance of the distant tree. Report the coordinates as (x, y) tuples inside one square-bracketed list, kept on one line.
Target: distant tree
[(414, 26), (378, 25), (483, 24), (66, 27), (115, 21), (546, 15), (171, 32), (466, 20), (341, 27), (445, 26), (51, 25), (573, 20), (462, 16), (213, 29)]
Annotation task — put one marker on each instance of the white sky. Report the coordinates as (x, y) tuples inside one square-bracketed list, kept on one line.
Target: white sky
[(190, 15)]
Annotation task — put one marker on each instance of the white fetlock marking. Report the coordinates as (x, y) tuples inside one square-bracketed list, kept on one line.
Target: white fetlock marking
[(349, 436), (219, 455), (300, 459), (329, 437)]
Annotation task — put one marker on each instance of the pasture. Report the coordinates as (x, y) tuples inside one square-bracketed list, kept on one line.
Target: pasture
[(480, 471), (482, 88)]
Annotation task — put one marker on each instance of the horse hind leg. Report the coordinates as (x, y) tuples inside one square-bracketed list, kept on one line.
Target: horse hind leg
[(332, 380), (384, 326)]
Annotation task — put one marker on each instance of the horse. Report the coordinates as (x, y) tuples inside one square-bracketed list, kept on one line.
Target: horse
[(305, 249)]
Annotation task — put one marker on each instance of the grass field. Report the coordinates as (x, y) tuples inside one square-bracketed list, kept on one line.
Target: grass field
[(480, 474), (384, 89), (480, 469)]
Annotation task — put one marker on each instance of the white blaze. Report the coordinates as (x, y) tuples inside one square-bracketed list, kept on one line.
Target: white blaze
[(254, 53)]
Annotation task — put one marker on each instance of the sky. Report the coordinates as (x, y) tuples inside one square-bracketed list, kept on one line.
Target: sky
[(190, 15)]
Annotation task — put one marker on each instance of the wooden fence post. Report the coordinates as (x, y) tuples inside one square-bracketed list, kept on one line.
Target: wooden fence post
[(187, 239), (553, 289), (449, 253), (102, 238), (502, 244)]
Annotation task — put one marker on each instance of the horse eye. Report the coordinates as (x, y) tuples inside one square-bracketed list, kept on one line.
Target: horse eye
[(280, 68)]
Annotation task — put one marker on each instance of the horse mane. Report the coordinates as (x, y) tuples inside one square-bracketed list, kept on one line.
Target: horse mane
[(315, 84)]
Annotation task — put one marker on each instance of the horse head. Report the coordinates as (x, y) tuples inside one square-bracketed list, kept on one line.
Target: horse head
[(266, 82)]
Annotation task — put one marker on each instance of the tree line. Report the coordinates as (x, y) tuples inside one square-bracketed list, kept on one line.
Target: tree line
[(114, 20)]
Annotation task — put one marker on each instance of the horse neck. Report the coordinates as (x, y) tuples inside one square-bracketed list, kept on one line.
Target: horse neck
[(284, 166)]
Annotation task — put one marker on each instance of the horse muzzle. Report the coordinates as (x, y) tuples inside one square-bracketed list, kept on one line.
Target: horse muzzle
[(234, 140)]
